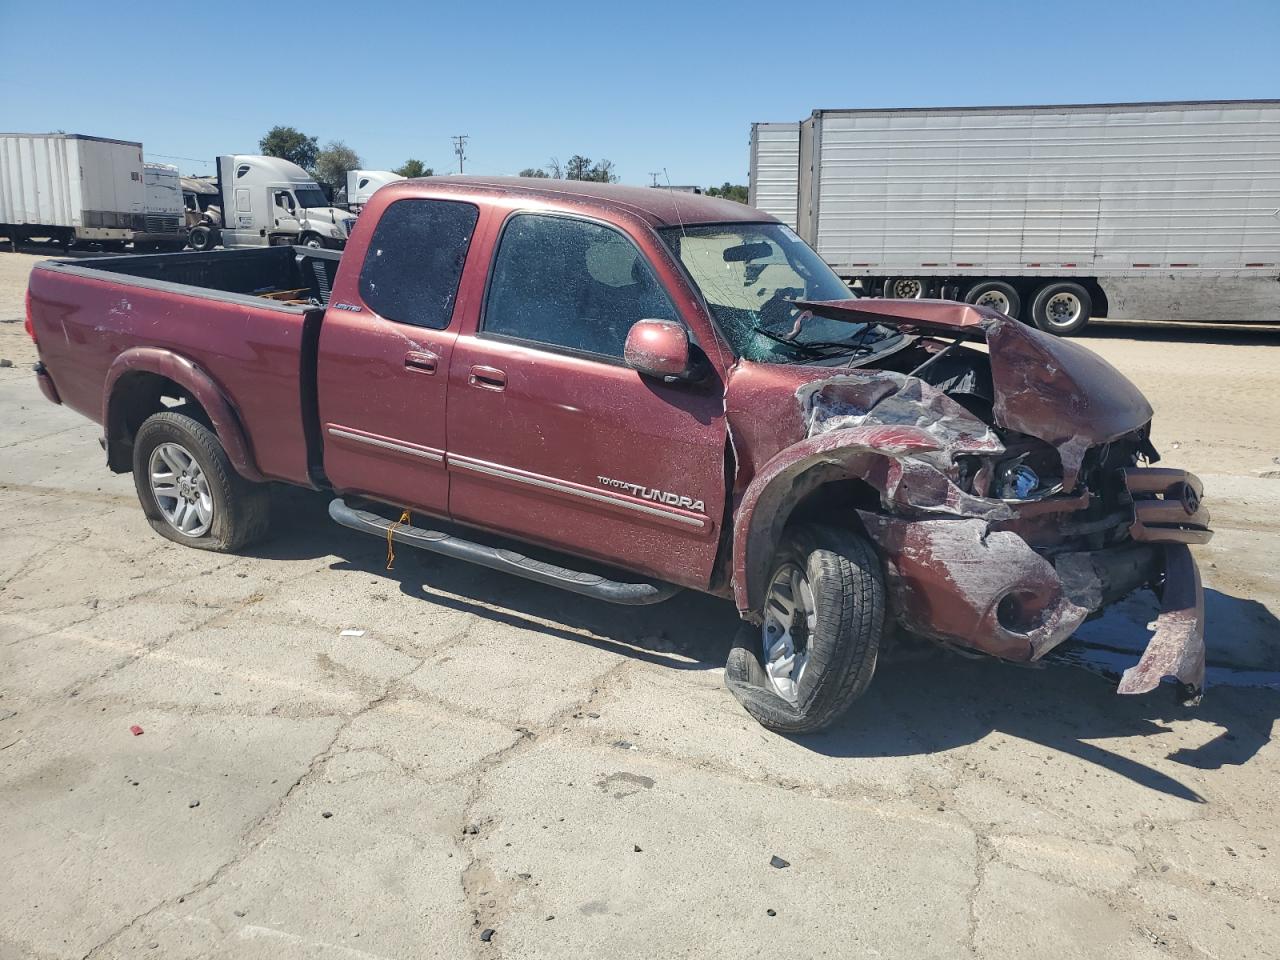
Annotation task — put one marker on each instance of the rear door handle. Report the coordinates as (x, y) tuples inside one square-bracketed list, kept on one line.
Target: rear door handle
[(488, 378), (416, 362)]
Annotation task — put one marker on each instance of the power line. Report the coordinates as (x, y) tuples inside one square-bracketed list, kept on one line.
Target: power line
[(460, 148)]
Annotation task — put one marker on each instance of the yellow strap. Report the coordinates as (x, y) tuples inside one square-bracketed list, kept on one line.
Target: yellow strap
[(391, 550)]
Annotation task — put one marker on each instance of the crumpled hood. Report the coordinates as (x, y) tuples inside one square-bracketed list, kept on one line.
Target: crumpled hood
[(1045, 387)]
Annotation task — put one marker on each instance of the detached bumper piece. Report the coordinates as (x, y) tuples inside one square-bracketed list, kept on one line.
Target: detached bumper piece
[(1167, 506), (497, 558), (1177, 648)]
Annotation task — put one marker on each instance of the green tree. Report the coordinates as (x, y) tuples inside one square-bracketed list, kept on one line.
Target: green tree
[(332, 164), (291, 144), (582, 168), (533, 172), (729, 191), (414, 168)]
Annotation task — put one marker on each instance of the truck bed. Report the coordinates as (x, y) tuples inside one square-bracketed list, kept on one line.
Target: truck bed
[(248, 320), (263, 272)]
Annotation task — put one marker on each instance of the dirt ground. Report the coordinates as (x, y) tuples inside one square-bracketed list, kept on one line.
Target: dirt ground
[(493, 755)]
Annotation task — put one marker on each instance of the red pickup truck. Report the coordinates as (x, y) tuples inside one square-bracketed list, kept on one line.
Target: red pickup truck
[(668, 391)]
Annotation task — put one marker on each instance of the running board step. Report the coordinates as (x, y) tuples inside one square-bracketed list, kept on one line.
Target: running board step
[(496, 558)]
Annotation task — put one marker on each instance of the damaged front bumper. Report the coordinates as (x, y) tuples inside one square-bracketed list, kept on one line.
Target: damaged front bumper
[(960, 581)]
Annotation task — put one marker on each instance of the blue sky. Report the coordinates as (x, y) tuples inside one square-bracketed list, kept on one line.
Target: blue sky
[(649, 85)]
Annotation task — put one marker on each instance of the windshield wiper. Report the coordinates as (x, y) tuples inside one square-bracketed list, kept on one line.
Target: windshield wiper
[(810, 349)]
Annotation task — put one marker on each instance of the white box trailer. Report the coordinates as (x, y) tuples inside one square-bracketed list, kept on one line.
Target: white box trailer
[(1149, 211), (69, 187), (773, 182)]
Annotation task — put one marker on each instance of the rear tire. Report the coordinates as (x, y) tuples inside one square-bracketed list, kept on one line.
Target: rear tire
[(997, 295), (904, 288), (188, 489), (832, 617), (1061, 308)]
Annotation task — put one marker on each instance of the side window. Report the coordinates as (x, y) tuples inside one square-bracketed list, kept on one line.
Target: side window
[(415, 258), (572, 284)]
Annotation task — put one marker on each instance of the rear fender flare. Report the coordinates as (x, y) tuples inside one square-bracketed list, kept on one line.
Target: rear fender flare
[(860, 453), (186, 374)]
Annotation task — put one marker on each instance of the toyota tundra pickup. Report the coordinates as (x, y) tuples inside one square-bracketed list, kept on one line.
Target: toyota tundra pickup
[(652, 391)]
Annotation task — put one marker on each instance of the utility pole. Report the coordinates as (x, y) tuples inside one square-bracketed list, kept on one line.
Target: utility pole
[(654, 176), (460, 148)]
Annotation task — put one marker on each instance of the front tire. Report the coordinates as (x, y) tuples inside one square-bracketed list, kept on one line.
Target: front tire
[(312, 240), (188, 489), (1061, 308), (200, 238), (815, 651)]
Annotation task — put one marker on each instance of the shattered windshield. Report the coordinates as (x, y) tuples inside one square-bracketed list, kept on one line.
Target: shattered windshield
[(749, 274)]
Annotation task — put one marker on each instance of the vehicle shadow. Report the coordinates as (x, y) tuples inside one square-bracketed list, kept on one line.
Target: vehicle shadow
[(691, 631), (946, 701), (1264, 335), (927, 701)]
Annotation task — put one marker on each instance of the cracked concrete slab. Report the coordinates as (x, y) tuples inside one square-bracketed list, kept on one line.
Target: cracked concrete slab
[(864, 877), (98, 822)]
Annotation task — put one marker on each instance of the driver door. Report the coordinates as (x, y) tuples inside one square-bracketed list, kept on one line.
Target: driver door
[(553, 438), (284, 213)]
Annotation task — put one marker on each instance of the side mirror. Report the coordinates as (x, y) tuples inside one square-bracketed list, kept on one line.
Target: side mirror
[(659, 348)]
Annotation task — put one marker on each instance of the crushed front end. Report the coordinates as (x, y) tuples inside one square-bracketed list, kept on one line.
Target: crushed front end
[(1032, 506)]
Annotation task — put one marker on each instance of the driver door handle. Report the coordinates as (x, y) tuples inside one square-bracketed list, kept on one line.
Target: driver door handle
[(488, 378), (421, 362)]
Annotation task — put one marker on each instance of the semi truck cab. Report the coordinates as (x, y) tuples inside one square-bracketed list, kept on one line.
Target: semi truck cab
[(361, 185), (268, 201)]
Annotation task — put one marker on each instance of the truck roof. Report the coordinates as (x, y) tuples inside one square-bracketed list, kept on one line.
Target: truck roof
[(660, 208)]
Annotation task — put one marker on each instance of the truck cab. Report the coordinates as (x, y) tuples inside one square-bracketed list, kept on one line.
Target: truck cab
[(361, 185), (163, 215), (268, 201)]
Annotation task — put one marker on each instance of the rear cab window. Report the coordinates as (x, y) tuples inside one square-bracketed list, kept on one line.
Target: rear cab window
[(570, 285), (415, 259)]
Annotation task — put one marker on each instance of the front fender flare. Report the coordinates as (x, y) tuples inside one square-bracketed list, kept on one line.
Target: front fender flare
[(863, 453), (186, 374)]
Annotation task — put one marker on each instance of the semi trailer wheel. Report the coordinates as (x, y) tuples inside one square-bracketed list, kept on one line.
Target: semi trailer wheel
[(904, 288), (1061, 308), (814, 651), (997, 295), (188, 489)]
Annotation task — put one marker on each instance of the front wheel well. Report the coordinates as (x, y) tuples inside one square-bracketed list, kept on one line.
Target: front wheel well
[(134, 398), (825, 495)]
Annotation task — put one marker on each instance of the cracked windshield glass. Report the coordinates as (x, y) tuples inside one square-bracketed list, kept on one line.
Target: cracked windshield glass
[(750, 274)]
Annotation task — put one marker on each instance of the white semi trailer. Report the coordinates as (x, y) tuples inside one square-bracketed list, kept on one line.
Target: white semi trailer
[(70, 188), (1052, 214)]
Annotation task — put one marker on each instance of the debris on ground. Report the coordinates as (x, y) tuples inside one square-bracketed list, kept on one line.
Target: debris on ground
[(136, 730), (771, 912), (327, 814), (637, 848), (778, 863), (5, 362), (351, 632), (487, 934), (193, 804)]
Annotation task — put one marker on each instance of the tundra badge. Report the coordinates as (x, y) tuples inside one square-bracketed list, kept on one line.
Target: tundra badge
[(647, 493)]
